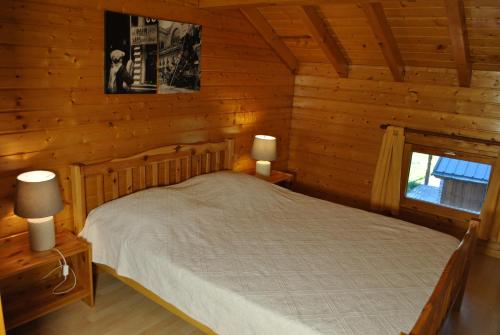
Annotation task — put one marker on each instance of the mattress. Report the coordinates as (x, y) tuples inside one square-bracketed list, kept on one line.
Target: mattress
[(243, 256)]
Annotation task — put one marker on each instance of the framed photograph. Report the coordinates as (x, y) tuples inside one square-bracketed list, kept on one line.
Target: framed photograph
[(179, 57), (147, 55)]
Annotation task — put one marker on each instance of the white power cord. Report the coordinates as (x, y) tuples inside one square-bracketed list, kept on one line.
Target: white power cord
[(65, 272)]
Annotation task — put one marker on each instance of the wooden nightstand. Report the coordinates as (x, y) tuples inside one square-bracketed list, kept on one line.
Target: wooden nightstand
[(277, 177), (25, 295)]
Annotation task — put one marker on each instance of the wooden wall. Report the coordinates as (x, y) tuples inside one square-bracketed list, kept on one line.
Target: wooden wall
[(53, 111), (335, 136)]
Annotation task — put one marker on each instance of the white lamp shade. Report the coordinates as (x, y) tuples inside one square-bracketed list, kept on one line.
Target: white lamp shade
[(37, 195), (264, 148)]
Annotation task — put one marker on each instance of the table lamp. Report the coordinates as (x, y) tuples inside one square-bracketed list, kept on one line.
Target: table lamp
[(37, 199), (264, 151)]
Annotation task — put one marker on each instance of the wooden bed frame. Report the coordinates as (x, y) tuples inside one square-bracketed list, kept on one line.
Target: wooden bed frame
[(450, 289), (95, 183), (98, 182)]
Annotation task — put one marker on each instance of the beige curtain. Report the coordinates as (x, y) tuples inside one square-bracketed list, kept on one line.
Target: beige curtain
[(387, 180), (489, 228)]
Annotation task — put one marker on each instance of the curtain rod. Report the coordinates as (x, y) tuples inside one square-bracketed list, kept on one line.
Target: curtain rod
[(434, 133)]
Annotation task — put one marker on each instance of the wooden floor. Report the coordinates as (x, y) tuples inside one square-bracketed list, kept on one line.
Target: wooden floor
[(120, 310), (480, 312)]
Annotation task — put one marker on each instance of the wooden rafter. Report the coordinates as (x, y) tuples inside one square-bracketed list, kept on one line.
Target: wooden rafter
[(264, 28), (459, 40), (317, 28), (383, 33), (262, 3)]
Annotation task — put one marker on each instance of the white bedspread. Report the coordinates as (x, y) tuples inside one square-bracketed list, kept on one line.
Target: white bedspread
[(243, 256)]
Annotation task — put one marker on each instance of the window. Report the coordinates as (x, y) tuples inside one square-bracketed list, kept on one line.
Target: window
[(450, 182), (446, 180)]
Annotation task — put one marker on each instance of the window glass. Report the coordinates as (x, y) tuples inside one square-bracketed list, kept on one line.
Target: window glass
[(450, 182)]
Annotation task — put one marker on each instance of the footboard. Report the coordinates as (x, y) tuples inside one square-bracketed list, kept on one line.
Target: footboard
[(450, 288)]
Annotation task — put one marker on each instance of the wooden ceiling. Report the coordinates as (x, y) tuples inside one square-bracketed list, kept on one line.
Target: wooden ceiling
[(460, 34)]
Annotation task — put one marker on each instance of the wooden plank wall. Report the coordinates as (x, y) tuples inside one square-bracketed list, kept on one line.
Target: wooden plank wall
[(53, 111), (335, 136)]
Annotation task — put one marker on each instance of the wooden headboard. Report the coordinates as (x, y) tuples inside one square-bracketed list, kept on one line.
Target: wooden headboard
[(95, 183)]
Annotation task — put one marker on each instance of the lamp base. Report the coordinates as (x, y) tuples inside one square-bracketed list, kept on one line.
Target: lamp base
[(263, 168), (42, 233)]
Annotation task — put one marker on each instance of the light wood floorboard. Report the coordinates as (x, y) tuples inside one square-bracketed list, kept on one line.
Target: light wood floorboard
[(122, 311), (119, 310)]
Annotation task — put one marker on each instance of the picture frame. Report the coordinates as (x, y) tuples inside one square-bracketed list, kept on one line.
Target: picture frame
[(145, 55)]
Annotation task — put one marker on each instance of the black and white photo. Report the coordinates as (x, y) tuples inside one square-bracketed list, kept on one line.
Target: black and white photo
[(131, 53), (147, 55), (179, 57)]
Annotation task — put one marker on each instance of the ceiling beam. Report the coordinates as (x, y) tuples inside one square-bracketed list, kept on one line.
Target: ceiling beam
[(376, 18), (319, 31), (459, 40), (263, 3), (264, 28)]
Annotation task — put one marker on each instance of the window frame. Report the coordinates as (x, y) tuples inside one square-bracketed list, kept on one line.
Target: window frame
[(428, 207)]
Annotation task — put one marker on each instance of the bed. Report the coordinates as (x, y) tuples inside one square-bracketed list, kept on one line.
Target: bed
[(233, 254)]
